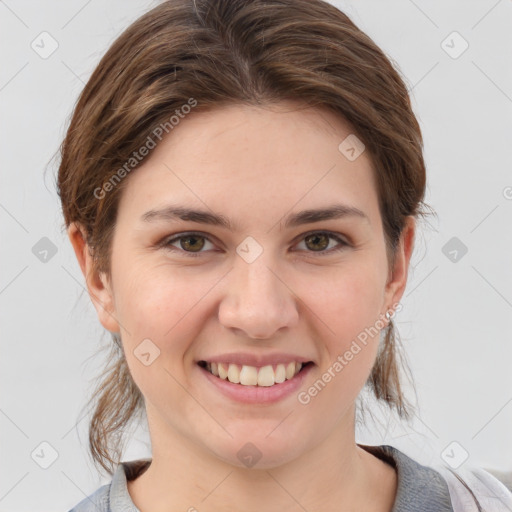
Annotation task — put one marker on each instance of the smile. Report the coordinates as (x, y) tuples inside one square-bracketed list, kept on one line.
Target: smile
[(251, 375)]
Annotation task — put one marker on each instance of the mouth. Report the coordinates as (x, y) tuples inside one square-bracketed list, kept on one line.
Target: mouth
[(257, 376)]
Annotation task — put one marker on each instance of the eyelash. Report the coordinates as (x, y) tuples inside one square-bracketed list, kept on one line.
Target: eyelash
[(166, 243)]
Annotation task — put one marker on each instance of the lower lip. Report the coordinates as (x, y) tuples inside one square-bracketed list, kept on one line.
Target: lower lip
[(257, 394)]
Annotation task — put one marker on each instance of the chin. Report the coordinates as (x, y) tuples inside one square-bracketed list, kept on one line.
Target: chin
[(257, 451)]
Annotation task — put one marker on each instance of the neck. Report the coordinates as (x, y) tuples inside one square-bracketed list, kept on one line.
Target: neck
[(336, 475)]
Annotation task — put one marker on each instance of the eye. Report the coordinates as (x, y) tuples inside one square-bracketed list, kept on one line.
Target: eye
[(319, 241), (316, 242), (191, 243)]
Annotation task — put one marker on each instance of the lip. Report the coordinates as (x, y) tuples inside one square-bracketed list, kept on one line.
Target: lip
[(256, 394), (255, 360)]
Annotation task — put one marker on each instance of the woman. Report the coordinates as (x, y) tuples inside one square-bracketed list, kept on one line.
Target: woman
[(241, 182)]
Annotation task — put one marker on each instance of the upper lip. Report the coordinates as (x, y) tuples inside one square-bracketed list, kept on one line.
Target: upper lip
[(257, 360)]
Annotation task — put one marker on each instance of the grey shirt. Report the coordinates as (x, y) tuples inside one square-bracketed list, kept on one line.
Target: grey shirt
[(420, 488)]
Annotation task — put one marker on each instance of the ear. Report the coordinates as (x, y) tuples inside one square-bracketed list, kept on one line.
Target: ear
[(397, 282), (98, 285)]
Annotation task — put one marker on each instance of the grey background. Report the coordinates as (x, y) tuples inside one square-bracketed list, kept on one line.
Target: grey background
[(455, 324)]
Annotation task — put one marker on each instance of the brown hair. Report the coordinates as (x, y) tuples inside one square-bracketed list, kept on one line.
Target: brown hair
[(220, 52)]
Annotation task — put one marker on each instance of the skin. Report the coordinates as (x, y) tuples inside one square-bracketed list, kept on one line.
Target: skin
[(255, 166)]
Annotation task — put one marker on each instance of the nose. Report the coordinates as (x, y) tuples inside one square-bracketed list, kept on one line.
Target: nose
[(258, 302)]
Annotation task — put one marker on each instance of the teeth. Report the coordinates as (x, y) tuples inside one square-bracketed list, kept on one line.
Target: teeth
[(266, 376), (290, 370), (233, 373), (223, 373), (280, 373), (249, 376), (252, 376)]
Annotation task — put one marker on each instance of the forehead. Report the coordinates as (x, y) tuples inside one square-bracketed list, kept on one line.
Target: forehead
[(254, 161)]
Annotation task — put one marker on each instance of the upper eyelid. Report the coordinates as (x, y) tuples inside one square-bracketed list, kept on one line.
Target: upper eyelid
[(177, 236), (172, 238)]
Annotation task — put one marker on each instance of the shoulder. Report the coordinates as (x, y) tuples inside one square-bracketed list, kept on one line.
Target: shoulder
[(99, 501), (438, 487), (475, 489), (114, 497), (420, 488)]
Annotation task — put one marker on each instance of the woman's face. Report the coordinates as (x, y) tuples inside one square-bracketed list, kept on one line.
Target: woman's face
[(253, 286)]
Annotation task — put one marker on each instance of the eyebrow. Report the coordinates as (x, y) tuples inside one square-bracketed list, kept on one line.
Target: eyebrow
[(173, 212)]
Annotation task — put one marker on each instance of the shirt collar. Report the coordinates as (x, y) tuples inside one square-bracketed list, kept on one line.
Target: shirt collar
[(420, 488)]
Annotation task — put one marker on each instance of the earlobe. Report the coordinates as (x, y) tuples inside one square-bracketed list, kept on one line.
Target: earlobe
[(98, 286)]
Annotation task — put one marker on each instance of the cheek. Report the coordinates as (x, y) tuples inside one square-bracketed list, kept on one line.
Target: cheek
[(349, 300), (349, 304), (160, 305), (350, 308)]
